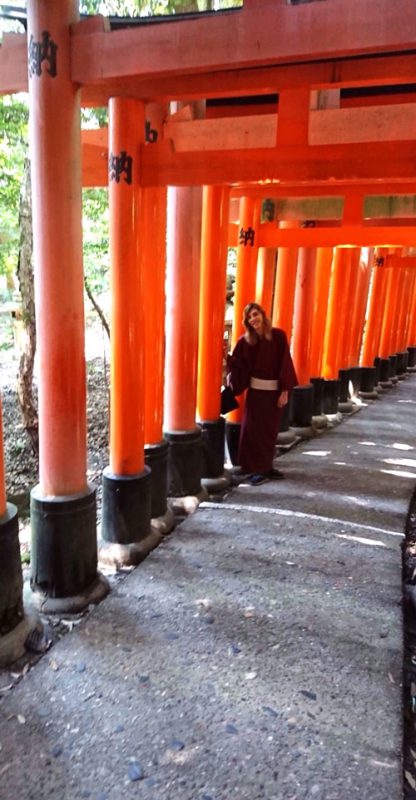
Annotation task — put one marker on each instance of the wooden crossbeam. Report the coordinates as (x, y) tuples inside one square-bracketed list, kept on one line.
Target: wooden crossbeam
[(270, 235)]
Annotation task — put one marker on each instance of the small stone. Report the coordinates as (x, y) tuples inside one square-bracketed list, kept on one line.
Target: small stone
[(150, 782), (229, 728), (209, 619), (119, 729), (176, 745), (172, 636), (126, 649), (81, 666), (270, 711), (144, 678), (309, 695), (56, 751), (233, 650), (207, 797), (135, 771)]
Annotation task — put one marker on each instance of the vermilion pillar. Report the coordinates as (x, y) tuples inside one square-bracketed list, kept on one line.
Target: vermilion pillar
[(64, 550), (360, 305), (284, 292), (266, 268), (373, 323), (330, 363), (410, 334), (390, 308), (182, 321), (126, 482), (153, 268), (245, 288), (322, 281), (402, 302), (303, 313), (214, 240), (351, 259)]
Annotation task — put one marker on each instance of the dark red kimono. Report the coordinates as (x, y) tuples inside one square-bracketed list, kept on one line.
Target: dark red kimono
[(268, 359)]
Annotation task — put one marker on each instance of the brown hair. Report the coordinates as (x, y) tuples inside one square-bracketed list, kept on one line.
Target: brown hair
[(250, 335)]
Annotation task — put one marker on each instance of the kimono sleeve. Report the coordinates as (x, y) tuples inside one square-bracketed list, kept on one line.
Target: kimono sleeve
[(239, 368), (287, 373)]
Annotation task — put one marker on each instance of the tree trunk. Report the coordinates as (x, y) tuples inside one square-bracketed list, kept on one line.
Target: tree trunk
[(26, 286)]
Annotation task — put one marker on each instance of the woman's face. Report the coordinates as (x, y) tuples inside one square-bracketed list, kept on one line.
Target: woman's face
[(255, 319)]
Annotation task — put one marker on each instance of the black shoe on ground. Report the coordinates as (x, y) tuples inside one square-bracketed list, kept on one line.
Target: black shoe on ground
[(257, 479)]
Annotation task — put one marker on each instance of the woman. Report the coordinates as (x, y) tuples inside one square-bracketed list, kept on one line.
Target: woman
[(260, 363)]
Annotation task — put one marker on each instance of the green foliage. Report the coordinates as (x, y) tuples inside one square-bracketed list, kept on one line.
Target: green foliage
[(13, 151), (95, 229)]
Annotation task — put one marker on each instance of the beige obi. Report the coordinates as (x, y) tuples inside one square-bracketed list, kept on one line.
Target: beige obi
[(259, 383)]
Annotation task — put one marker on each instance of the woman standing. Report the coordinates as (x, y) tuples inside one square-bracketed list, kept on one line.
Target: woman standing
[(262, 364)]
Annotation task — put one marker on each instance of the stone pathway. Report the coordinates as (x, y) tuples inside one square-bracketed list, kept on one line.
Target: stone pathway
[(257, 653)]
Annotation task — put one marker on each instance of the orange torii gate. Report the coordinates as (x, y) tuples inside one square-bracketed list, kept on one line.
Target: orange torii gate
[(297, 148)]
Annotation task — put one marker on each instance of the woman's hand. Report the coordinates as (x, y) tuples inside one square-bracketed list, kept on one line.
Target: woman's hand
[(282, 399)]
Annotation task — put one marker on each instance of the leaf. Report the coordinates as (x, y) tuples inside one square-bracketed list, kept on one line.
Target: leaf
[(54, 665), (410, 779), (21, 719)]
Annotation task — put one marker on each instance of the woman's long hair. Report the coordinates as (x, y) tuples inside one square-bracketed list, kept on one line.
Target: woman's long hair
[(250, 335)]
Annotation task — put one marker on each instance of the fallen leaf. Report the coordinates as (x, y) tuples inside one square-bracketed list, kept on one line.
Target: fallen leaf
[(410, 779), (54, 665), (21, 719)]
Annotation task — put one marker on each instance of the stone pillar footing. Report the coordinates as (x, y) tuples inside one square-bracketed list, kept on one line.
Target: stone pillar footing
[(184, 462), (320, 421), (64, 577), (12, 644), (346, 408), (303, 432), (187, 504), (216, 485)]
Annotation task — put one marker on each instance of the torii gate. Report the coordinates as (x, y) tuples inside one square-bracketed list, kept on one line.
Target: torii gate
[(307, 144)]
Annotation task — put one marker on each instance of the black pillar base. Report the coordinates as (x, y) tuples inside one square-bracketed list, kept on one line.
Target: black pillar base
[(355, 378), (126, 507), (402, 361), (318, 391), (232, 437), (213, 443), (156, 458), (393, 368), (330, 396), (64, 575), (368, 382), (184, 462), (377, 365), (344, 376), (301, 408), (384, 374), (11, 579), (411, 364)]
